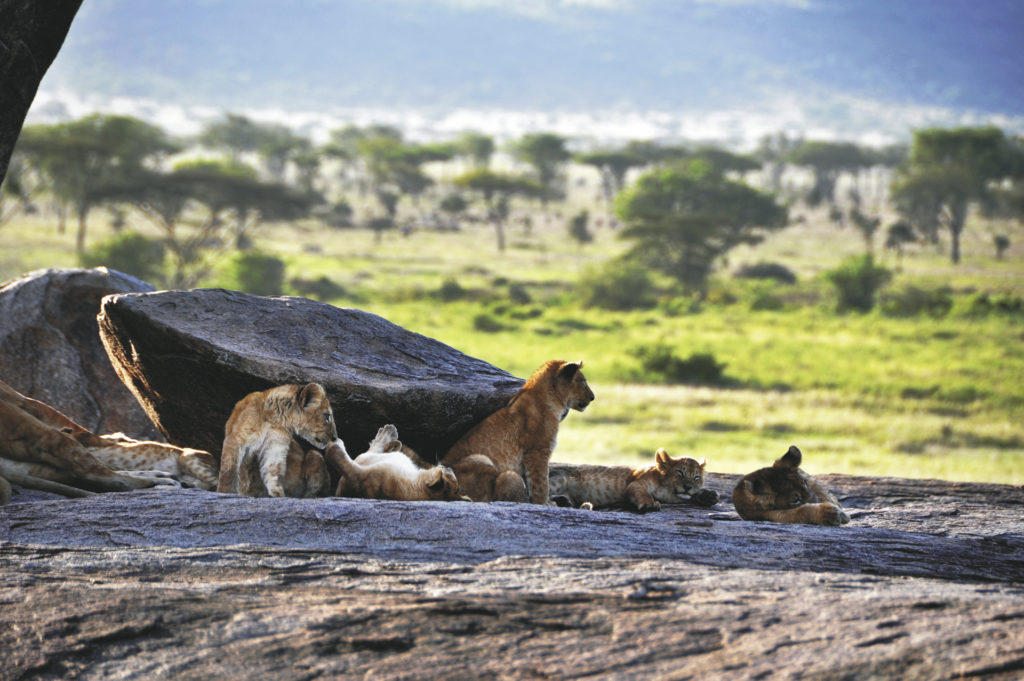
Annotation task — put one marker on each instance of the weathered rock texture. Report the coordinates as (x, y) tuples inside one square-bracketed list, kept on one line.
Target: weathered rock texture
[(189, 356), (50, 347), (31, 33), (926, 582)]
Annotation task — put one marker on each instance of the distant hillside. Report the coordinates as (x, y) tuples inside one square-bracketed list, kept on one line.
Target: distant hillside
[(587, 54)]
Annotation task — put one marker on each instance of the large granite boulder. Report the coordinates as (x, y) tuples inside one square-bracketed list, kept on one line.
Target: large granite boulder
[(189, 356), (50, 347), (31, 33)]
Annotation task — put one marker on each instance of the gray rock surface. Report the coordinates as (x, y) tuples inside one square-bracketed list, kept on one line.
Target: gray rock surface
[(926, 582), (31, 34), (50, 347), (189, 356)]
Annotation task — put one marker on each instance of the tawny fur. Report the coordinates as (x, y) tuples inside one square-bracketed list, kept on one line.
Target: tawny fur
[(643, 488), (43, 449), (505, 457), (388, 470), (260, 456), (784, 493)]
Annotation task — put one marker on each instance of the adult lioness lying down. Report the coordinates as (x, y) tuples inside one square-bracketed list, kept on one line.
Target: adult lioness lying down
[(41, 448)]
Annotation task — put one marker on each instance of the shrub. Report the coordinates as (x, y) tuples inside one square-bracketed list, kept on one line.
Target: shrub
[(698, 369), (618, 286), (911, 301), (857, 281), (767, 270), (765, 299), (257, 273), (451, 291), (131, 253), (518, 294), (320, 288), (486, 323)]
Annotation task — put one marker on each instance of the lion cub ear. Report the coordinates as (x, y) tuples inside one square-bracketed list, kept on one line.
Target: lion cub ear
[(791, 459), (310, 393), (569, 370), (662, 458), (702, 462)]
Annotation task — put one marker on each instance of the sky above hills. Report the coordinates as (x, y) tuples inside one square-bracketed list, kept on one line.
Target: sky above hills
[(819, 60)]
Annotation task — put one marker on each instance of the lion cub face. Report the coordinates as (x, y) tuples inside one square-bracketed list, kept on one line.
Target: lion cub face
[(678, 477), (313, 419), (572, 385)]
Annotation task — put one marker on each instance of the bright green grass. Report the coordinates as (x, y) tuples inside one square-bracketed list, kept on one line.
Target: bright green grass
[(860, 394)]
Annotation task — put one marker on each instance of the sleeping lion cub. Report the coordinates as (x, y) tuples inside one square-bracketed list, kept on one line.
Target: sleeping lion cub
[(785, 494), (645, 488), (505, 456), (260, 456), (388, 470)]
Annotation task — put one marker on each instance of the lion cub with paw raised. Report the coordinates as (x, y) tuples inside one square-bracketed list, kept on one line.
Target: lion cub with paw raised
[(643, 488), (260, 456), (784, 493), (389, 470), (505, 457)]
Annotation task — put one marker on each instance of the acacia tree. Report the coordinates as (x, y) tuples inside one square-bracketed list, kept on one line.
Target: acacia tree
[(477, 146), (828, 160), (947, 170), (79, 156), (546, 153), (496, 190), (613, 166), (684, 217), (204, 209)]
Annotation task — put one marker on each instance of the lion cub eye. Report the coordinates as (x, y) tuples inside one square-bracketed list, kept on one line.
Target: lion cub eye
[(327, 417)]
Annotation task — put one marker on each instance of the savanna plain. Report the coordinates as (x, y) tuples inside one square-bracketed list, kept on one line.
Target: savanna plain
[(910, 389)]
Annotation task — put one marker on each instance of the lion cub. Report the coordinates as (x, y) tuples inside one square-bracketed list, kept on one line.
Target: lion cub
[(388, 470), (260, 456), (644, 488), (505, 456), (785, 494)]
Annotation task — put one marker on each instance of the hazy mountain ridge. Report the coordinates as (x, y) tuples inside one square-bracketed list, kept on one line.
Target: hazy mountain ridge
[(660, 54)]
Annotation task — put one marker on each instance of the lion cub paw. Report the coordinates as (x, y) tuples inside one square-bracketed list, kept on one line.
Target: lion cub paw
[(151, 478), (705, 497), (386, 436), (647, 506), (831, 514), (442, 482)]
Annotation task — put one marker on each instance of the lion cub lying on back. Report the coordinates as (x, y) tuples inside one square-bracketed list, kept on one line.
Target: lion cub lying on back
[(505, 457), (785, 494), (644, 488), (260, 457), (388, 470)]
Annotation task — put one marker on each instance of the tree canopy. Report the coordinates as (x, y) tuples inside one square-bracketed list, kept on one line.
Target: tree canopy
[(682, 218)]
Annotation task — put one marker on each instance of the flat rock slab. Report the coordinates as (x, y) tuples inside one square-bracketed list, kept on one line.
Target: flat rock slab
[(189, 356), (927, 581)]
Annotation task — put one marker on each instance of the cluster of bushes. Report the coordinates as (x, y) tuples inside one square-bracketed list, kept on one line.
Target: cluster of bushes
[(660, 363)]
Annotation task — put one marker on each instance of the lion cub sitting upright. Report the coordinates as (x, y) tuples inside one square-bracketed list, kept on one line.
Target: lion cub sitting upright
[(389, 470), (643, 488), (260, 456), (785, 494), (505, 456)]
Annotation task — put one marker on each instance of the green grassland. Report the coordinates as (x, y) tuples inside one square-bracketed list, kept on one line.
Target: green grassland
[(867, 394)]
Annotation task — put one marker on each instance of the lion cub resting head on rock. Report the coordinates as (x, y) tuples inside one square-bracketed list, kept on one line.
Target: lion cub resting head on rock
[(260, 455), (644, 488), (505, 456), (785, 494), (389, 470)]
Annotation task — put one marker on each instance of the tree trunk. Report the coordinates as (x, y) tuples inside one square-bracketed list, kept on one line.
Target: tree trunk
[(83, 216)]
